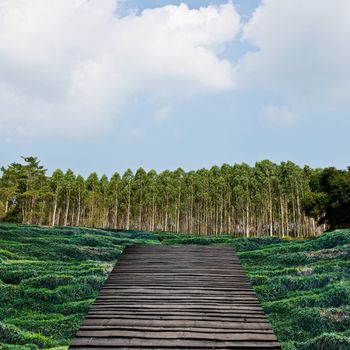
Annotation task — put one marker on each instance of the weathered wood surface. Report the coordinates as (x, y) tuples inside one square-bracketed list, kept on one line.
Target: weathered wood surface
[(178, 297)]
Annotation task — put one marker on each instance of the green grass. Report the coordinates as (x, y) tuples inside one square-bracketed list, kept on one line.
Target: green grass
[(49, 277)]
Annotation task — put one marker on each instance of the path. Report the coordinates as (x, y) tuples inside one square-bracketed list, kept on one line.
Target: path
[(176, 297)]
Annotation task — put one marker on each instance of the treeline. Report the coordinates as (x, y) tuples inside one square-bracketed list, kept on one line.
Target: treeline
[(265, 199)]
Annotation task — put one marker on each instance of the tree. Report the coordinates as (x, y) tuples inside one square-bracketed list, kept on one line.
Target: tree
[(2, 211), (56, 185), (238, 199), (80, 195), (139, 184), (150, 198), (68, 186), (126, 195), (25, 185), (114, 195), (329, 199), (105, 201), (266, 173), (92, 200), (8, 190)]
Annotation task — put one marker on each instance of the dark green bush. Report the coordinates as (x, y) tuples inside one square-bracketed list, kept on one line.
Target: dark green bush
[(283, 306), (8, 275), (279, 287), (52, 325), (74, 307), (295, 259), (330, 240), (337, 295), (8, 293), (246, 244), (11, 334), (310, 321), (326, 342), (50, 277), (48, 281)]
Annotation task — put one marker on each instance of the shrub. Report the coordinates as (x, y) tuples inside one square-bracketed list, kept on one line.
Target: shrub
[(310, 320), (52, 276), (8, 293), (246, 244), (330, 240), (74, 307), (11, 334), (326, 342), (48, 281), (337, 295), (55, 326)]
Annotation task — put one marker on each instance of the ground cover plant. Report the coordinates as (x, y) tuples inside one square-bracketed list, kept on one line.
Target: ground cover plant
[(49, 277), (303, 285)]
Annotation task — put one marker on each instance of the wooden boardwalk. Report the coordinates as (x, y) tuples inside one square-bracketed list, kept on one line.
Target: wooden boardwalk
[(176, 297)]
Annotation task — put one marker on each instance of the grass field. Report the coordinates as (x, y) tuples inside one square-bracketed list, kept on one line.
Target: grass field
[(49, 277)]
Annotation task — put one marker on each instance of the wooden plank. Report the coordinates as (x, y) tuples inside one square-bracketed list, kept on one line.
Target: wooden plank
[(192, 314), (177, 323), (178, 297), (178, 342), (146, 328), (173, 334)]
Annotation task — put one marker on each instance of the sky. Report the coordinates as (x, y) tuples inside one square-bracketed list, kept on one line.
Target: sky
[(106, 85)]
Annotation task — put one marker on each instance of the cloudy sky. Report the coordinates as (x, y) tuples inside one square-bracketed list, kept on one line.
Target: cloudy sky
[(109, 84)]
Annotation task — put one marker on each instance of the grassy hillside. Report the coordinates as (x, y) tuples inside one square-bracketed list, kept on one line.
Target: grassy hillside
[(49, 278)]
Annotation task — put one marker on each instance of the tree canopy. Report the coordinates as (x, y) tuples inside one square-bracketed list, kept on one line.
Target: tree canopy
[(264, 199), (329, 198)]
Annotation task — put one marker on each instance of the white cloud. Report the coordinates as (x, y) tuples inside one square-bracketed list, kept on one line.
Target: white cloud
[(303, 52), (279, 115), (67, 66), (163, 113), (137, 132)]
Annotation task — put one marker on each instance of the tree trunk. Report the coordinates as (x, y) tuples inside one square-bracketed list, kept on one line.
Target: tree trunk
[(270, 210), (140, 213), (31, 210), (128, 211), (67, 209), (53, 222), (116, 203), (166, 214), (282, 217), (247, 230), (178, 213), (153, 213), (79, 209)]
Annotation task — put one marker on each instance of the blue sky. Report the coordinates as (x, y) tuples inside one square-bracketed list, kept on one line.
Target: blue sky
[(244, 7), (174, 86)]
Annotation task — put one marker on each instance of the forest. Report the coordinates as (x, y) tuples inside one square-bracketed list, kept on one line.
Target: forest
[(265, 199)]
